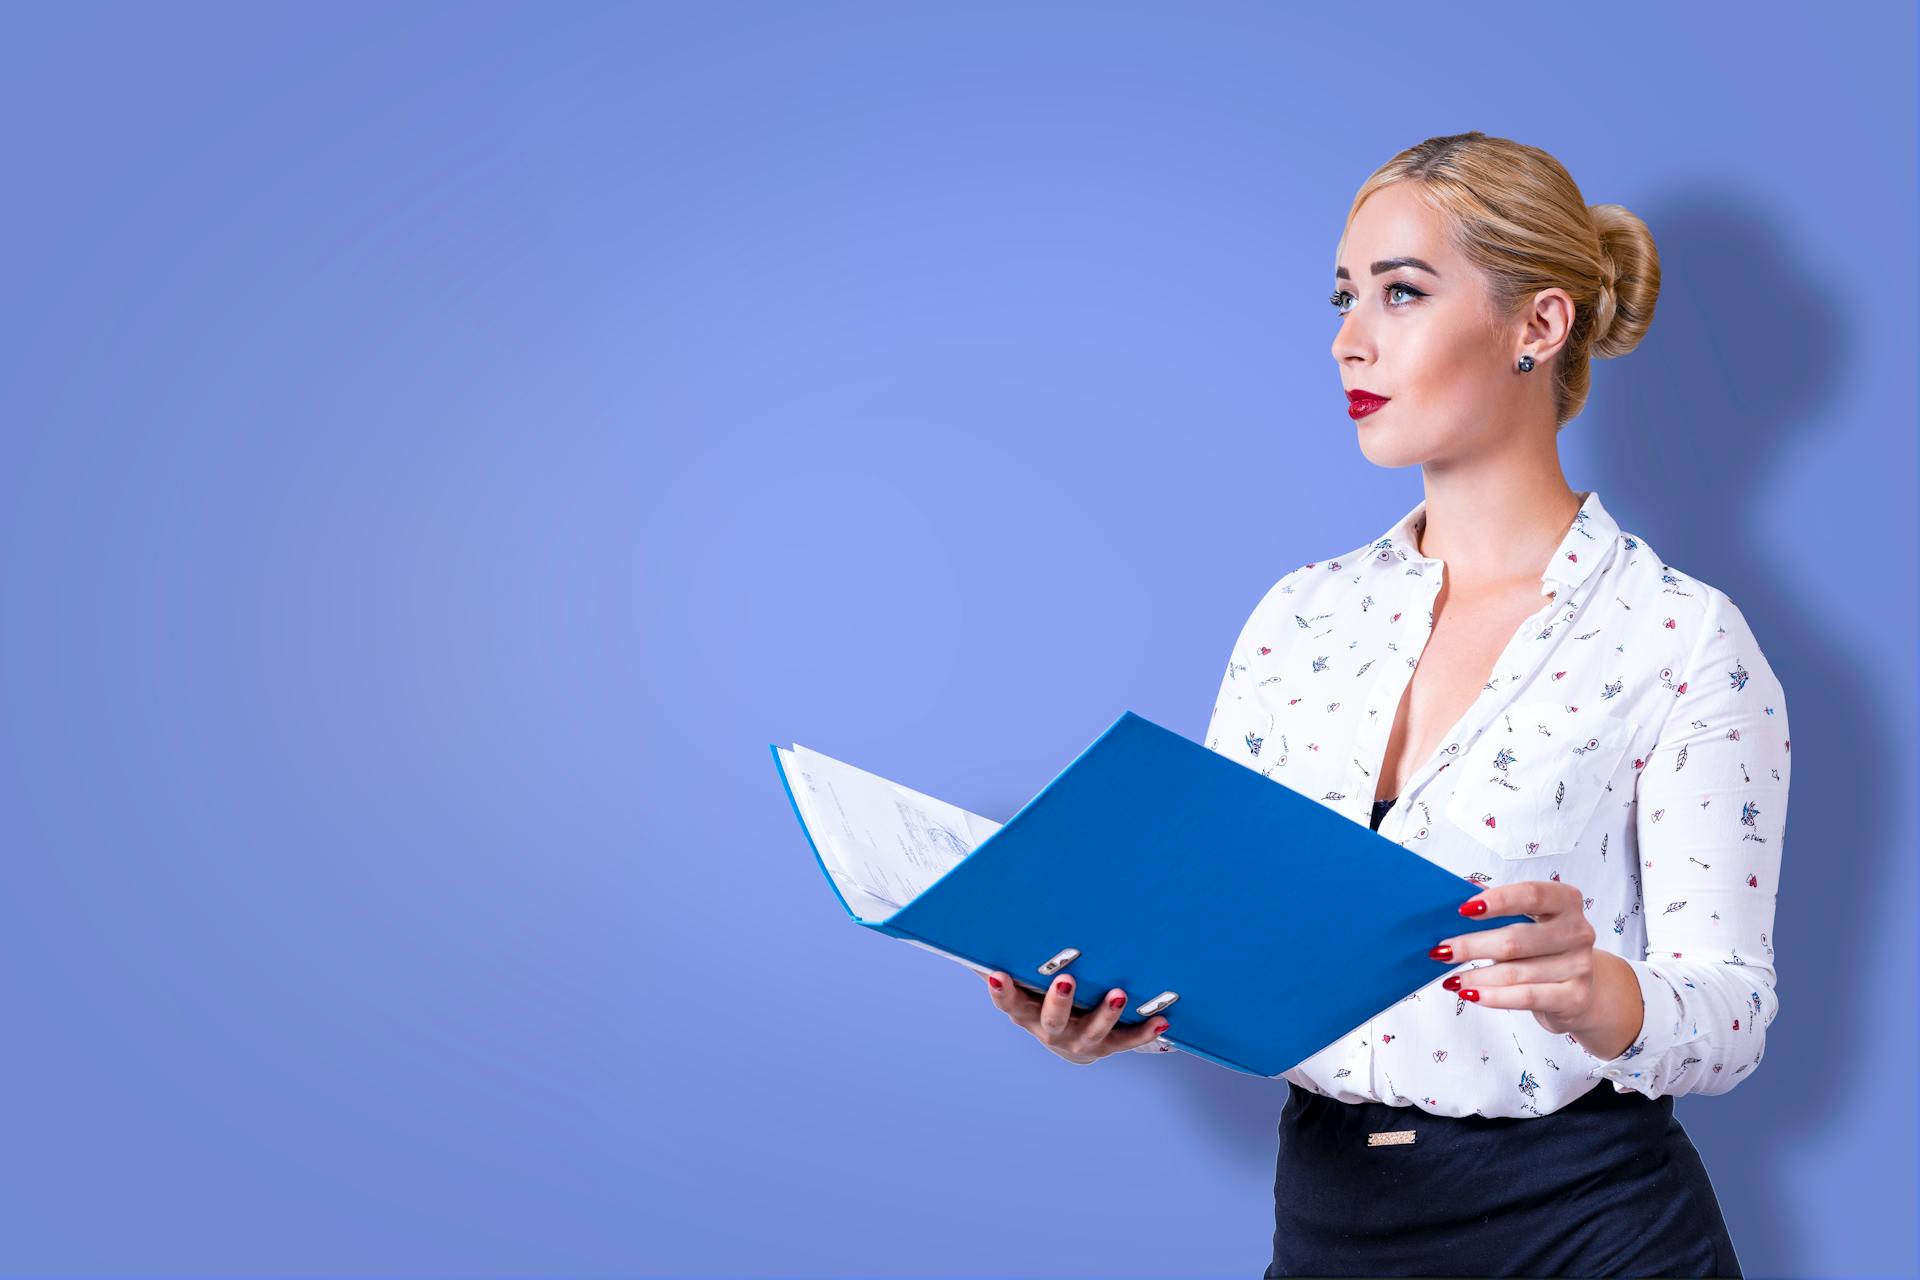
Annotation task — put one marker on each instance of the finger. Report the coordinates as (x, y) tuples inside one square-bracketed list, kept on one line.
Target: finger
[(1562, 967), (1537, 899), (1138, 1034), (1095, 1025), (1020, 1005), (1512, 941), (1056, 1011), (1563, 931), (1517, 899), (1555, 999)]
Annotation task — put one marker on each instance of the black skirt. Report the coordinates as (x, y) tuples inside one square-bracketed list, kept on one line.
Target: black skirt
[(1608, 1185)]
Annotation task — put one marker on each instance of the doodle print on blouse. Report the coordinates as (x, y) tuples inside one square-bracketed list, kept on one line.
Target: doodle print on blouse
[(1630, 738)]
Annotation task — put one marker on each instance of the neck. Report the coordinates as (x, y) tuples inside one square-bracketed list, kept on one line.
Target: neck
[(1496, 531)]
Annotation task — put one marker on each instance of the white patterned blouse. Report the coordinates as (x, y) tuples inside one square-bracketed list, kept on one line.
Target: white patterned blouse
[(1631, 740)]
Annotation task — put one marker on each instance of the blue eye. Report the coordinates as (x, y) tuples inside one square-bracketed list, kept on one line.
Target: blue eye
[(1388, 289)]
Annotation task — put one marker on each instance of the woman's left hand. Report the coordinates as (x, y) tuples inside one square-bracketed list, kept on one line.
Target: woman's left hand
[(1546, 966)]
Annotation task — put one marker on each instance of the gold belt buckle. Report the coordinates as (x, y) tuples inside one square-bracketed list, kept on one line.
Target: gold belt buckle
[(1391, 1138)]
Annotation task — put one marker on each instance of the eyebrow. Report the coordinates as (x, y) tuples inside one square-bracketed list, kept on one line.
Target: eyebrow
[(1381, 268)]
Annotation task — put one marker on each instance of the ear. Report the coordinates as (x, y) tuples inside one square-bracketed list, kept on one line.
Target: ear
[(1547, 324)]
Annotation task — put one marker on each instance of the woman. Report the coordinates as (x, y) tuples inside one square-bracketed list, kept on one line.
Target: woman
[(1510, 685)]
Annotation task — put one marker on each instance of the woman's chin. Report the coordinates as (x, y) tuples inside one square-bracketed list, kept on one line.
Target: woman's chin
[(1381, 453)]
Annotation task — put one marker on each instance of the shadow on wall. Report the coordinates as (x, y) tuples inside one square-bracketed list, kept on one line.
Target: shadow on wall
[(1694, 425)]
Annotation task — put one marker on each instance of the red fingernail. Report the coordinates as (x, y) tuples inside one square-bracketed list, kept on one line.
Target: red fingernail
[(1441, 952), (1470, 994), (1453, 983), (1066, 984), (1477, 907), (1118, 1002), (1162, 1027), (995, 981)]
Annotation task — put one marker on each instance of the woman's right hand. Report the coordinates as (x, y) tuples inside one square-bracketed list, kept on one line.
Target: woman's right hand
[(1078, 1037)]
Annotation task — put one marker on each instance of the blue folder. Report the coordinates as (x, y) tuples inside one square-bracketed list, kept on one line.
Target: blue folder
[(1282, 924)]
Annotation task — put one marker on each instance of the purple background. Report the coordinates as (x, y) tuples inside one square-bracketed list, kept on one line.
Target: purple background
[(443, 446)]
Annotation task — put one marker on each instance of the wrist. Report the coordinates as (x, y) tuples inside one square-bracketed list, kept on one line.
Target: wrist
[(1618, 1010)]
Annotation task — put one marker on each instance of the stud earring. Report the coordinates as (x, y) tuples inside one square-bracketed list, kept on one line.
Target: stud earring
[(1526, 364)]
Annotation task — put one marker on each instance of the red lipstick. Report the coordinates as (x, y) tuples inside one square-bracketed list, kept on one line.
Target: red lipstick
[(1362, 403)]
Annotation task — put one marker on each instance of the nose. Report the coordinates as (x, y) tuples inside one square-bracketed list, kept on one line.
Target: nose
[(1352, 344)]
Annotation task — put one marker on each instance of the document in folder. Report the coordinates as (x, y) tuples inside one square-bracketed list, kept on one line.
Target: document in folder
[(1280, 924)]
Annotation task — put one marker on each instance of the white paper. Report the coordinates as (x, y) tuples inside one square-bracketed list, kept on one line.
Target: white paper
[(882, 843), (886, 841)]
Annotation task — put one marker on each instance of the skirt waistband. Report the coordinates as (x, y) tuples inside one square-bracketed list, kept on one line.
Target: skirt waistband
[(1602, 1098)]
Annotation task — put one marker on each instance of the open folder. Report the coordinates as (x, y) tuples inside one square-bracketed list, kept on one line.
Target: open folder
[(1278, 924)]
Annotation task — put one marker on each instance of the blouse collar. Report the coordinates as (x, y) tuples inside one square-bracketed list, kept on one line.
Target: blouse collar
[(1586, 544)]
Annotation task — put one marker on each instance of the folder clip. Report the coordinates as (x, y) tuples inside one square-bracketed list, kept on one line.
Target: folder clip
[(1060, 962)]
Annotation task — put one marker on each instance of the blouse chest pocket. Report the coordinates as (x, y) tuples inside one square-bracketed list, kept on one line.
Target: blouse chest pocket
[(1532, 781)]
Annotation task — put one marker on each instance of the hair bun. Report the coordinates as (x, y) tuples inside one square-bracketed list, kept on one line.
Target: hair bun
[(1605, 307)]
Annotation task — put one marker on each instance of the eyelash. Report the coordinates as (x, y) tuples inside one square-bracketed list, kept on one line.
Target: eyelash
[(1388, 288)]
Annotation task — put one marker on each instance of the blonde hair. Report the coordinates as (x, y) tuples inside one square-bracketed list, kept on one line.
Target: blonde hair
[(1518, 217)]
